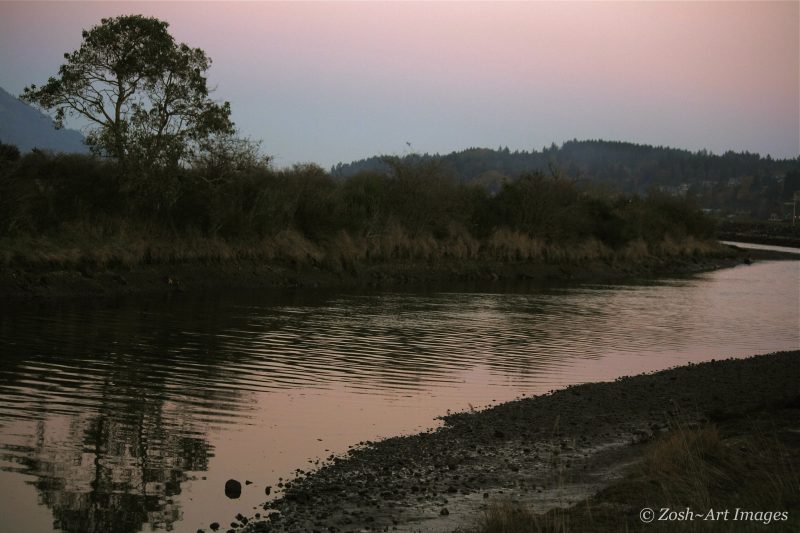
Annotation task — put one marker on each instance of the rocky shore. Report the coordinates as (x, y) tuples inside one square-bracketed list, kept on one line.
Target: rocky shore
[(546, 451), (48, 282)]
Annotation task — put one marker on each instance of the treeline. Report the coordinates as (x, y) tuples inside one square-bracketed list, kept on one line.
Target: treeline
[(732, 182), (72, 208)]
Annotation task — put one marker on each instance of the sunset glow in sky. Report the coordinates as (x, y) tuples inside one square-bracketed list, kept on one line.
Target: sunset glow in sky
[(328, 82)]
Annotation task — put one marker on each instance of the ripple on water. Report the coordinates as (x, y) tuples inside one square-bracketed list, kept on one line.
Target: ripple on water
[(197, 387)]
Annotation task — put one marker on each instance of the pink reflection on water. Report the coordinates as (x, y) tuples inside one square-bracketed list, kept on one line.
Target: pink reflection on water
[(297, 382)]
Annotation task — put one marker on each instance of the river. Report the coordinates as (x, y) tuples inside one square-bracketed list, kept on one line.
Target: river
[(132, 416)]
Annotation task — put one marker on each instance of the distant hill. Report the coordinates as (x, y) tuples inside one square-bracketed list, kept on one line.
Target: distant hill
[(741, 183), (28, 128), (626, 166)]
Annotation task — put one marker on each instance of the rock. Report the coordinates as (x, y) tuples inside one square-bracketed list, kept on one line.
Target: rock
[(267, 490), (444, 511), (214, 526), (298, 496), (248, 482), (233, 489)]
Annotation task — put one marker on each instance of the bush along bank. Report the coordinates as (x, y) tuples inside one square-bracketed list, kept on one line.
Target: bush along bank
[(78, 221)]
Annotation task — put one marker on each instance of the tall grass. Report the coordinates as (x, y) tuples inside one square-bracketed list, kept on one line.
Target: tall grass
[(700, 468)]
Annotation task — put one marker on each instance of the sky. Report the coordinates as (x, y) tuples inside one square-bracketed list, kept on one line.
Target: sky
[(325, 82)]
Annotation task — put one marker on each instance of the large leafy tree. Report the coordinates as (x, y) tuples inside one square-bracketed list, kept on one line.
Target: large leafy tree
[(144, 96)]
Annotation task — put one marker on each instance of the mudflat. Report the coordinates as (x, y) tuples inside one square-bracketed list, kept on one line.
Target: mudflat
[(546, 451)]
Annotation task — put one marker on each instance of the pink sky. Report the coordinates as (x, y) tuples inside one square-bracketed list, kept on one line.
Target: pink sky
[(333, 81)]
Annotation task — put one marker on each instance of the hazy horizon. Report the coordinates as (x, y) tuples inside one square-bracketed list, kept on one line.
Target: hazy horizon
[(337, 82)]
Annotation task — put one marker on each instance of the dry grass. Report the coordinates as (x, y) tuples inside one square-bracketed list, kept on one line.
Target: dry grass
[(508, 517), (509, 245), (699, 453), (116, 243), (688, 247), (701, 468), (635, 251)]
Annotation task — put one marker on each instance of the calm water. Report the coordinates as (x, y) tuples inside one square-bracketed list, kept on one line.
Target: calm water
[(132, 417)]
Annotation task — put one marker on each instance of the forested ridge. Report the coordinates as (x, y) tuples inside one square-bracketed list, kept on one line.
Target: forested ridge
[(741, 183)]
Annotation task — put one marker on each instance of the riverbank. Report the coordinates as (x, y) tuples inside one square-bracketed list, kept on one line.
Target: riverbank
[(47, 280), (554, 450), (761, 232)]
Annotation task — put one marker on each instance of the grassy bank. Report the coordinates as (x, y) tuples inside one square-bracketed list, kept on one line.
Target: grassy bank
[(90, 264), (749, 467), (93, 246), (81, 214)]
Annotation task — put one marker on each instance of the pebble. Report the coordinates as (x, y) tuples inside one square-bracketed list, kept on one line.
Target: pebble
[(233, 489)]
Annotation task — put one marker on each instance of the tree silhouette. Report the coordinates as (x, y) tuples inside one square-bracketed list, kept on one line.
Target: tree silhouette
[(143, 94)]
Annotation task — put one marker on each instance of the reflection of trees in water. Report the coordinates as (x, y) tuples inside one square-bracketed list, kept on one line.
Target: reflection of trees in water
[(116, 411), (115, 470), (124, 396)]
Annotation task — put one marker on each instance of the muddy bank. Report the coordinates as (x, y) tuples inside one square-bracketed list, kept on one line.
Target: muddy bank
[(773, 233), (551, 450), (54, 282), (760, 238)]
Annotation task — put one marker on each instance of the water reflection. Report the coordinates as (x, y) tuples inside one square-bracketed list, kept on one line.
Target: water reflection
[(100, 474), (100, 406), (112, 413)]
